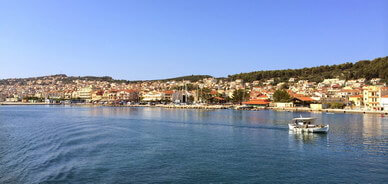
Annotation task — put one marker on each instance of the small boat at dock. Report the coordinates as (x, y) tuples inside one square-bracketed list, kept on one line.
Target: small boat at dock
[(307, 125)]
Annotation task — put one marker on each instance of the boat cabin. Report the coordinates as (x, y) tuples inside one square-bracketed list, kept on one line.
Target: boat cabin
[(303, 121)]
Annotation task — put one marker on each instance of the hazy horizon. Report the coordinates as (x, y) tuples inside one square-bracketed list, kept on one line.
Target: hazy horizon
[(150, 40)]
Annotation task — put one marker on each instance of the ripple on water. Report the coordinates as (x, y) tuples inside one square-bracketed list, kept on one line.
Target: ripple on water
[(68, 145), (75, 149)]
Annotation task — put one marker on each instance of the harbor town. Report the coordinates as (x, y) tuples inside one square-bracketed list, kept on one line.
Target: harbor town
[(330, 95), (193, 91)]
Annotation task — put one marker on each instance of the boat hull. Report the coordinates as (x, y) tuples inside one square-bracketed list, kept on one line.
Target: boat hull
[(313, 129)]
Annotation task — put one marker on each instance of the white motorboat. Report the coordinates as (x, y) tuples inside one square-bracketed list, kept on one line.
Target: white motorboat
[(307, 125)]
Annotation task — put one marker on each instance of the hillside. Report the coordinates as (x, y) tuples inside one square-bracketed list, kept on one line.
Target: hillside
[(377, 68), (192, 78), (69, 79)]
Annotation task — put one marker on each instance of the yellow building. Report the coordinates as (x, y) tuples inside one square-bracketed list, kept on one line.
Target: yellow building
[(372, 96), (356, 100), (85, 93)]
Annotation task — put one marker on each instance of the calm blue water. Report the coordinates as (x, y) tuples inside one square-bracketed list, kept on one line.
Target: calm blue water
[(46, 144)]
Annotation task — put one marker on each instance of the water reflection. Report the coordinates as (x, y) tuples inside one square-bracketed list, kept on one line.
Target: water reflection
[(347, 131), (372, 125), (307, 137), (374, 133)]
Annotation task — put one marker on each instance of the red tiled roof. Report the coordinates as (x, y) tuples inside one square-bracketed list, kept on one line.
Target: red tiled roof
[(169, 92), (256, 102), (304, 98), (262, 96), (356, 96)]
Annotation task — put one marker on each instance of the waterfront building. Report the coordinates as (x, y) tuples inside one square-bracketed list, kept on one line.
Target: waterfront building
[(168, 95), (153, 96), (257, 103), (85, 93), (12, 99), (110, 95), (128, 95), (97, 95), (372, 96), (283, 104), (356, 101), (180, 97), (302, 101), (384, 102)]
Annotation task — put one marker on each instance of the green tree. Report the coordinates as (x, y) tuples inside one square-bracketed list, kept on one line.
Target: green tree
[(204, 94), (337, 105), (377, 68), (285, 86), (240, 95), (281, 96), (190, 99)]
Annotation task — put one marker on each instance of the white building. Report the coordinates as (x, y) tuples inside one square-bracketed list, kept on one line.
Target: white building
[(153, 96), (384, 102)]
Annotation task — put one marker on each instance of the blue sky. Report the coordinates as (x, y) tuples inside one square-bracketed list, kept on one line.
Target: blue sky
[(153, 39)]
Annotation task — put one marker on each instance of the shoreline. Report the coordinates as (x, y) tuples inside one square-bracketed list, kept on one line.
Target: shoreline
[(213, 107)]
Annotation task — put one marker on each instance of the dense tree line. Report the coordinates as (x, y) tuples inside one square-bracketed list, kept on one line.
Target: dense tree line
[(191, 78), (88, 78), (377, 68)]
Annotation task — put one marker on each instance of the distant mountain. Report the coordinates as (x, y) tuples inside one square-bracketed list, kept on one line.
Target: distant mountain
[(377, 68)]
